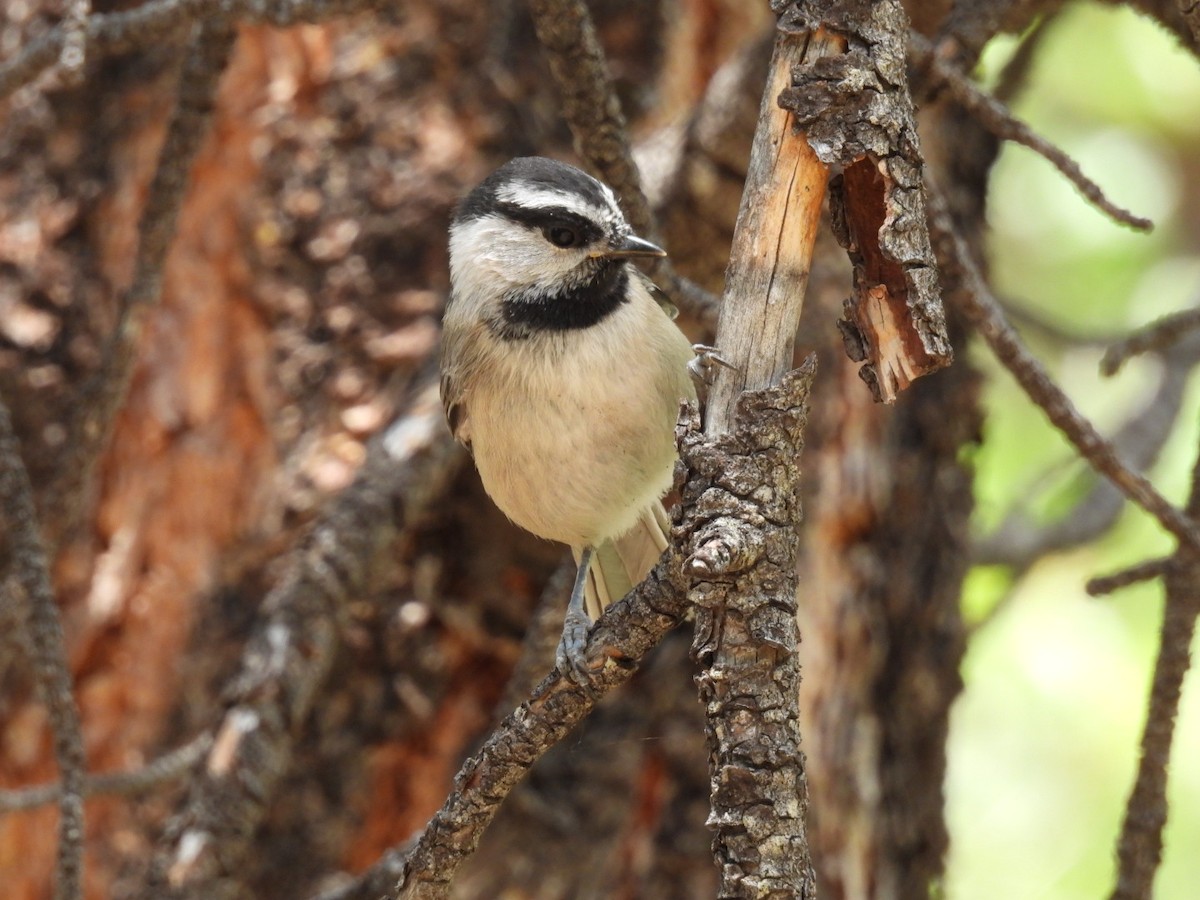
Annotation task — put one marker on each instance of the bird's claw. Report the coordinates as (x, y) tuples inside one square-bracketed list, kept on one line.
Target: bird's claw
[(571, 655), (703, 366)]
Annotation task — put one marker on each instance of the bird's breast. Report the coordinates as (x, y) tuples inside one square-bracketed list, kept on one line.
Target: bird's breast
[(573, 432)]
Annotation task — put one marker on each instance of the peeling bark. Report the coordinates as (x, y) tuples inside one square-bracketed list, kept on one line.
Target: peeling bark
[(856, 113)]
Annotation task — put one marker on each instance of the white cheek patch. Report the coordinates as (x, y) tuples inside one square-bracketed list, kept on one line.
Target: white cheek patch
[(491, 253)]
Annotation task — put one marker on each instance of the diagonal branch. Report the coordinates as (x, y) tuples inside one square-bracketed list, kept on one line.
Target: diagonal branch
[(618, 642), (136, 781), (983, 312), (994, 116), (29, 565)]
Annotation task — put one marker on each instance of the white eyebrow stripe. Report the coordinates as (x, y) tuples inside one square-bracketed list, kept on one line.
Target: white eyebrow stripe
[(541, 198)]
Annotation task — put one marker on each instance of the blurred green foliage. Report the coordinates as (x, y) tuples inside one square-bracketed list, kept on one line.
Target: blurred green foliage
[(1044, 740)]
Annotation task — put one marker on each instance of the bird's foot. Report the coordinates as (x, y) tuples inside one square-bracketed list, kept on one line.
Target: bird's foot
[(571, 655), (703, 366)]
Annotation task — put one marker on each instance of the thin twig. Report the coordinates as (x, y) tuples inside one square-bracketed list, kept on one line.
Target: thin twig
[(1144, 571), (1139, 848), (104, 394), (983, 312), (165, 768), (1157, 336), (994, 116), (47, 645), (1020, 540)]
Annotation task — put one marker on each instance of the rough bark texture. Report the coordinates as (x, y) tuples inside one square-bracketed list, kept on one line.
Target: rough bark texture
[(856, 113), (742, 500)]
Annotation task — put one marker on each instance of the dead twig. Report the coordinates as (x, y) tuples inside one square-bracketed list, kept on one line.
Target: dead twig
[(983, 312), (1020, 540), (167, 767), (1157, 336), (994, 116), (1139, 848), (28, 562), (1145, 571)]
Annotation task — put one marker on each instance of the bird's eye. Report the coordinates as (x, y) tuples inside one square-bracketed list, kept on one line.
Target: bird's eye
[(561, 236)]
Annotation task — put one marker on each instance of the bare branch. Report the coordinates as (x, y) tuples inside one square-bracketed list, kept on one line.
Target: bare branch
[(775, 234), (983, 312), (47, 645), (619, 640), (167, 767), (1139, 848), (994, 116), (1154, 568), (1157, 336), (1020, 540), (285, 664)]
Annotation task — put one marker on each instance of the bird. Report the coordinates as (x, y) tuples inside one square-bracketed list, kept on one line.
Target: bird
[(562, 372)]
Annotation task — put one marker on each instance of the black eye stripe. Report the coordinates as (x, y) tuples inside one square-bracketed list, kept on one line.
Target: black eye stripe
[(544, 217)]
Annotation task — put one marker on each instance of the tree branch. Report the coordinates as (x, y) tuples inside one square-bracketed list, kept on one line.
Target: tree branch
[(592, 111), (1139, 848), (165, 768), (48, 648), (1020, 540), (983, 312), (993, 115), (772, 241), (1157, 336), (616, 645)]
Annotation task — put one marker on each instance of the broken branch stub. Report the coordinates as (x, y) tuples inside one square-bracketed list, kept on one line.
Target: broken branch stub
[(855, 111)]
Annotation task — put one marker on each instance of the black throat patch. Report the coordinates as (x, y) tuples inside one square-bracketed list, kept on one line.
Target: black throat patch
[(523, 315)]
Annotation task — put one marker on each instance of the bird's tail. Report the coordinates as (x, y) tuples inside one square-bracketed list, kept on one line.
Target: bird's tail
[(619, 564)]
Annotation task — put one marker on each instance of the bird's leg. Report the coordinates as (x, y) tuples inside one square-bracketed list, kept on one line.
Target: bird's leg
[(570, 654), (703, 367)]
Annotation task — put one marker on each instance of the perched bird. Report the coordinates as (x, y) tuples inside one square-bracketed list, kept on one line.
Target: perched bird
[(563, 375)]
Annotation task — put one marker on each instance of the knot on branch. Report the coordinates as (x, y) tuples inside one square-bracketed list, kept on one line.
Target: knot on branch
[(745, 479), (856, 113)]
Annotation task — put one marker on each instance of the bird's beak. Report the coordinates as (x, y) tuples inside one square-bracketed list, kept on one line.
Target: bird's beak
[(632, 246)]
